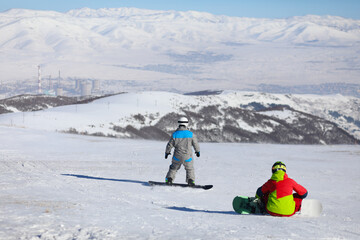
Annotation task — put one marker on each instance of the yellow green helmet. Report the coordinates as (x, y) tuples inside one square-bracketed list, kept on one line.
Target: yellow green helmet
[(278, 166)]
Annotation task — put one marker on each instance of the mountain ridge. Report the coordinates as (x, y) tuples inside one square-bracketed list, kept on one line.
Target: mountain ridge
[(134, 46), (227, 116), (261, 29)]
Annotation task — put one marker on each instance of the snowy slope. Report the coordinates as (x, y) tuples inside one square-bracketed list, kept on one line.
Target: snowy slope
[(59, 186), (157, 50), (111, 115), (30, 103)]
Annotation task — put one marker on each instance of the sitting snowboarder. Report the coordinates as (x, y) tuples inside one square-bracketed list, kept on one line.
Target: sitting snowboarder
[(182, 140), (277, 196)]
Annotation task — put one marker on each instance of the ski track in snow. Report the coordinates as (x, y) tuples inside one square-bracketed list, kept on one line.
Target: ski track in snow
[(60, 186)]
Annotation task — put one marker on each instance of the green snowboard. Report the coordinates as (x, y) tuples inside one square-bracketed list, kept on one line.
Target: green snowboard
[(241, 204), (247, 205)]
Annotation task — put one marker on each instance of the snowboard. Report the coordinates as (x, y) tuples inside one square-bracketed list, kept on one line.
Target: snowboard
[(310, 208), (246, 205), (205, 187)]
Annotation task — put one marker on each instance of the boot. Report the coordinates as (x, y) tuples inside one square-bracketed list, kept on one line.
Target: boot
[(169, 181), (191, 182), (257, 206)]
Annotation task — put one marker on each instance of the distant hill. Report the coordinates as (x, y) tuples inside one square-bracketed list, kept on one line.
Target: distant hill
[(346, 89), (31, 103), (227, 116)]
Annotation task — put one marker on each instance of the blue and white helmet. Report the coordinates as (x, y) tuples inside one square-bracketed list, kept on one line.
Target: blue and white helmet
[(183, 121)]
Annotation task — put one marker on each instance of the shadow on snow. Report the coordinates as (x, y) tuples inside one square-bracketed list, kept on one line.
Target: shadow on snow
[(107, 179), (185, 209)]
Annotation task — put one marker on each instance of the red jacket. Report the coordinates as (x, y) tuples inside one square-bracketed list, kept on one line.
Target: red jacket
[(279, 189)]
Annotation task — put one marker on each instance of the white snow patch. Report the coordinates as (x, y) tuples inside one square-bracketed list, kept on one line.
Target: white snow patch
[(287, 115)]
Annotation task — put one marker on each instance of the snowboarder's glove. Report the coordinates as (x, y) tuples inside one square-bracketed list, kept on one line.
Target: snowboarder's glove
[(197, 154), (166, 155)]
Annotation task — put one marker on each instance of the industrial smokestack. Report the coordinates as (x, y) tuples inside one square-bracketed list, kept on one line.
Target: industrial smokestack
[(39, 80), (59, 79)]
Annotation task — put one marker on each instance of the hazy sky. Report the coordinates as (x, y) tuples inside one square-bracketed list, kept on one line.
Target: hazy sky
[(241, 8)]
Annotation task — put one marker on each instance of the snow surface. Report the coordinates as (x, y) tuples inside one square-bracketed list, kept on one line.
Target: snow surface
[(172, 50), (61, 186)]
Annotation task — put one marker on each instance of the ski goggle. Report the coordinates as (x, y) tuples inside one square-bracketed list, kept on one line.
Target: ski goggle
[(279, 167), (183, 121)]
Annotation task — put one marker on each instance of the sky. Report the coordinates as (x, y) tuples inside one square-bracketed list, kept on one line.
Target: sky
[(239, 8)]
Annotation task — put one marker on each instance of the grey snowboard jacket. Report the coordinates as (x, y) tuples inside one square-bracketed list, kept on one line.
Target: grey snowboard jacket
[(182, 140)]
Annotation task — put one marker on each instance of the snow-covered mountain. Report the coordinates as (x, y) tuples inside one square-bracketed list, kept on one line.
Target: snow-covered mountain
[(186, 51), (228, 116)]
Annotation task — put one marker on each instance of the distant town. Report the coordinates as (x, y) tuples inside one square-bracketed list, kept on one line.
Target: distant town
[(80, 87)]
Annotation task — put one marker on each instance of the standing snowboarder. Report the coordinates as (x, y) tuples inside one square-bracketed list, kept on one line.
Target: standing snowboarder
[(182, 140), (277, 193)]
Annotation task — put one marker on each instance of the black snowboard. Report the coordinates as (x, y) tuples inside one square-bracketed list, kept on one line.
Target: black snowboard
[(205, 187)]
